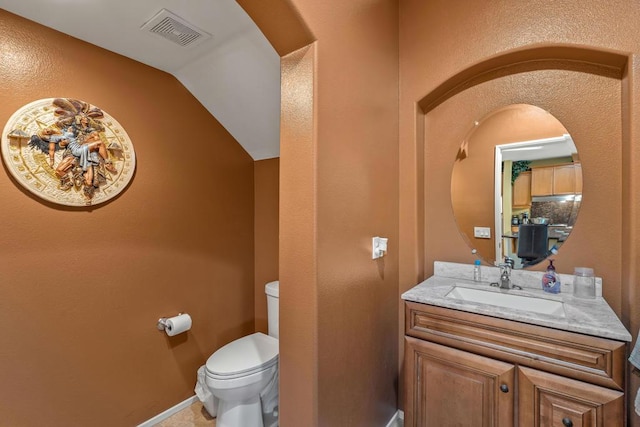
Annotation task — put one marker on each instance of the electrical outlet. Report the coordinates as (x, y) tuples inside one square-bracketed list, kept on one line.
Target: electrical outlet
[(482, 232)]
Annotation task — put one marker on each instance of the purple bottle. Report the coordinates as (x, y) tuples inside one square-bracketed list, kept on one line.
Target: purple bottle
[(551, 280)]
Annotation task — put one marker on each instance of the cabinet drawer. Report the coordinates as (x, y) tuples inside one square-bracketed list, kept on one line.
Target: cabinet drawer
[(586, 358), (549, 400)]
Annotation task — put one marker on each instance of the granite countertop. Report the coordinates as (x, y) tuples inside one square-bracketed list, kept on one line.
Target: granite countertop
[(586, 316)]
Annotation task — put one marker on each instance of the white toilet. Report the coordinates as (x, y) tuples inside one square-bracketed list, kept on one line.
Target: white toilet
[(243, 375)]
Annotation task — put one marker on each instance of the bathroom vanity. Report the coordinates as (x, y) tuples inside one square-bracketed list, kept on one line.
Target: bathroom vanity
[(476, 355)]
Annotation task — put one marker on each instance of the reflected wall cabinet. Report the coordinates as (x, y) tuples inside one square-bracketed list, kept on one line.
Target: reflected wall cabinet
[(556, 180), (522, 191), (542, 181)]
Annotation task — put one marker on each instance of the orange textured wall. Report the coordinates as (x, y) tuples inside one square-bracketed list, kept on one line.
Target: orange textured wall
[(559, 43), (82, 289), (339, 188), (357, 161), (298, 356), (266, 189)]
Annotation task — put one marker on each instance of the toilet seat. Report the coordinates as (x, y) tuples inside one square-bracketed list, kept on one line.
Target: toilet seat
[(242, 357)]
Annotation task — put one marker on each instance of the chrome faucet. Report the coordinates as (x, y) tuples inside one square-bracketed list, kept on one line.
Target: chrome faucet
[(505, 277), (509, 261), (505, 273)]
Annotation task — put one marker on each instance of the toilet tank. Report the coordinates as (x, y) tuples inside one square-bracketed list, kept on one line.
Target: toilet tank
[(273, 293)]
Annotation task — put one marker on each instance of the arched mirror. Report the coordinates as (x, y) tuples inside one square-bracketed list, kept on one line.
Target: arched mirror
[(516, 185)]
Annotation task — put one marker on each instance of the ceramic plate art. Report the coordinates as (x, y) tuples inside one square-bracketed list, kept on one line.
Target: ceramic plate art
[(68, 152)]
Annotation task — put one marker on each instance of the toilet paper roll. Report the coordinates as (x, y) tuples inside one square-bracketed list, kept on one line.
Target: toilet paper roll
[(178, 324)]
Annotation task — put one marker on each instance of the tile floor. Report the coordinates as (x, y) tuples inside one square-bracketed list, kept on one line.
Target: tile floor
[(192, 416), (196, 416)]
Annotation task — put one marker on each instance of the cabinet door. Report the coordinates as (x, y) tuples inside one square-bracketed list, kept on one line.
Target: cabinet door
[(542, 181), (522, 190), (445, 387), (564, 179), (548, 400), (578, 168)]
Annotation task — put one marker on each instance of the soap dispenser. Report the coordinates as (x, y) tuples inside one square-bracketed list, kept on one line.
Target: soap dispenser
[(551, 280)]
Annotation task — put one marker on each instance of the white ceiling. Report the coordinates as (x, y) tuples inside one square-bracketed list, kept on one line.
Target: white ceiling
[(538, 149), (235, 74)]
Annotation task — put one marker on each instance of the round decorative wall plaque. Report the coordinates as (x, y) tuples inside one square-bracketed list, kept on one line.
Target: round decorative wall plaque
[(68, 152)]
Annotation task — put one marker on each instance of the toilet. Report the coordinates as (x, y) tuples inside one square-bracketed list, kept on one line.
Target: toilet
[(243, 375)]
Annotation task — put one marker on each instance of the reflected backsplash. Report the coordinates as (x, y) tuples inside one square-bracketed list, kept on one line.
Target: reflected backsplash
[(561, 210)]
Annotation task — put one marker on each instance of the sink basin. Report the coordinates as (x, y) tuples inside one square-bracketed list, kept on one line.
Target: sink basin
[(507, 300)]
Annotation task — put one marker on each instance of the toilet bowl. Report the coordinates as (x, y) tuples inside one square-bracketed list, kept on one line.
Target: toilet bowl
[(243, 375)]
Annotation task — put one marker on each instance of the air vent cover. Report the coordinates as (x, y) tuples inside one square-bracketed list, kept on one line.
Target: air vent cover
[(171, 27)]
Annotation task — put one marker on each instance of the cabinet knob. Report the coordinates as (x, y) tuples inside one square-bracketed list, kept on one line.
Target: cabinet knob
[(567, 422), (504, 388)]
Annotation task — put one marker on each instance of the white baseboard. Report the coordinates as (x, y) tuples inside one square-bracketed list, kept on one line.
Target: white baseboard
[(397, 420), (166, 414)]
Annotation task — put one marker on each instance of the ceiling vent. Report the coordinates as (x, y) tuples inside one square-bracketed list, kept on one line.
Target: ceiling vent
[(176, 29)]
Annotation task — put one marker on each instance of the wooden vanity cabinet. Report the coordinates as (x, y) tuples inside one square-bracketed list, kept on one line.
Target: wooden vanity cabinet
[(507, 373), (450, 387)]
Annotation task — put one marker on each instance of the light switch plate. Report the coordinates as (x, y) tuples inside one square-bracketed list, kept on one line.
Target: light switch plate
[(482, 232), (379, 247)]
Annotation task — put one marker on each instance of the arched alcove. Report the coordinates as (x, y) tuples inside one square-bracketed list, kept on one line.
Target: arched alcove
[(590, 90), (584, 87), (532, 58)]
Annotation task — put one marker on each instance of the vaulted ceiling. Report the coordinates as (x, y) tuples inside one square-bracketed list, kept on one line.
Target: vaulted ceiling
[(211, 46)]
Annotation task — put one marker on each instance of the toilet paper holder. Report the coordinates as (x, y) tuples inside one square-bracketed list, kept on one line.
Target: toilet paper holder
[(162, 323)]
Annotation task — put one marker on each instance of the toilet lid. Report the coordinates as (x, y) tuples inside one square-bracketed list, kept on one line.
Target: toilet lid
[(246, 355)]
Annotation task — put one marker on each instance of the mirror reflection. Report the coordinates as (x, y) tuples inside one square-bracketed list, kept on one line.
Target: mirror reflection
[(516, 186)]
